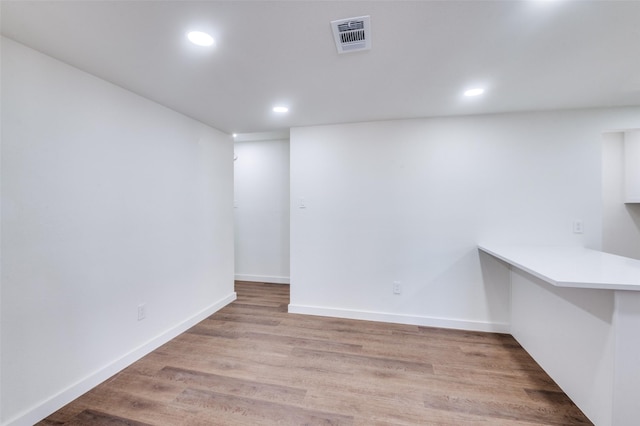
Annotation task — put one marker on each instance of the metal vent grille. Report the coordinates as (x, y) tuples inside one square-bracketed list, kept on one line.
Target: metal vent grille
[(352, 34)]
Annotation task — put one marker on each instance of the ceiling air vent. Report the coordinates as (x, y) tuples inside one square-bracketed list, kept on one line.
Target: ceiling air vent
[(352, 34)]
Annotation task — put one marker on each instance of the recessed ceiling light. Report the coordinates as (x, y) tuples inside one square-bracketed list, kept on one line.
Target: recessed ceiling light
[(200, 38), (280, 109), (474, 92)]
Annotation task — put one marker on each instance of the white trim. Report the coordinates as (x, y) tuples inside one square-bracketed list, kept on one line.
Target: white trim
[(497, 327), (49, 406), (262, 279)]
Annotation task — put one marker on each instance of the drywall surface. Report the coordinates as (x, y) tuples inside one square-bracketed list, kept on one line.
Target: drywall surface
[(408, 201), (261, 206), (109, 201)]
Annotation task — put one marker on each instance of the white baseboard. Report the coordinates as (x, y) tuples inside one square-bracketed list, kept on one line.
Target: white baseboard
[(401, 319), (77, 389), (262, 279)]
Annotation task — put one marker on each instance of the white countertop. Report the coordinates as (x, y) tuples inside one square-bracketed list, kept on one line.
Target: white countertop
[(576, 267)]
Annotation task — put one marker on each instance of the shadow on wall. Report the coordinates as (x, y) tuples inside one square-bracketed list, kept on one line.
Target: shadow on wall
[(495, 279), (620, 220), (483, 304), (634, 214)]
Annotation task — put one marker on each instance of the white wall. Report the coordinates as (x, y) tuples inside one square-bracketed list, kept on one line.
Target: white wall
[(620, 221), (108, 200), (261, 200), (409, 200)]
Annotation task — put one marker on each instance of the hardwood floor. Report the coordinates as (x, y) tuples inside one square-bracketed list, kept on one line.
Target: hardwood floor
[(252, 363)]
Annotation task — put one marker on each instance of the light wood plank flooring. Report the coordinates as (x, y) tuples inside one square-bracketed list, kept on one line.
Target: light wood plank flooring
[(252, 363)]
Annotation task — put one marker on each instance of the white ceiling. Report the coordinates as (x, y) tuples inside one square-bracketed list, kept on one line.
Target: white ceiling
[(530, 55)]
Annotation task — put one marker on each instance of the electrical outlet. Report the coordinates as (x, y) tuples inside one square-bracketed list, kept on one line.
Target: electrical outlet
[(397, 287), (578, 227), (142, 311)]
